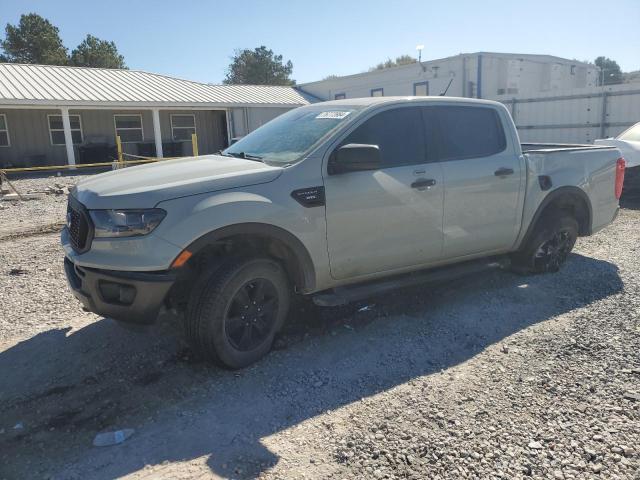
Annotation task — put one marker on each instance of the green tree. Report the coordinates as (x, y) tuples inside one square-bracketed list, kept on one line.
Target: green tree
[(259, 67), (609, 70), (388, 63), (33, 40), (93, 52)]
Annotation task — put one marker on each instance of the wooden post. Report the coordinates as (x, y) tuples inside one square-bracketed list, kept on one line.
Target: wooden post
[(194, 143), (120, 156)]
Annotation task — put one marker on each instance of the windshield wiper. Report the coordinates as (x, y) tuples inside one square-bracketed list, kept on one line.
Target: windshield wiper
[(247, 156)]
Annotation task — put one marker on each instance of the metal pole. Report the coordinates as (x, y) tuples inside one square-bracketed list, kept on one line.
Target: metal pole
[(603, 118), (479, 79), (194, 143)]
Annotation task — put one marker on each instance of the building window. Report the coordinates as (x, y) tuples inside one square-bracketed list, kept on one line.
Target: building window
[(129, 128), (182, 127), (339, 96), (56, 129), (573, 69), (421, 89), (377, 92), (4, 131)]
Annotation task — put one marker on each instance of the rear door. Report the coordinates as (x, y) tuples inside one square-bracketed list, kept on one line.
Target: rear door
[(382, 220), (482, 176)]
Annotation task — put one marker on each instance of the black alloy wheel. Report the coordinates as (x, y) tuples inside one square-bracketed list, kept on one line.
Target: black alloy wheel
[(251, 314)]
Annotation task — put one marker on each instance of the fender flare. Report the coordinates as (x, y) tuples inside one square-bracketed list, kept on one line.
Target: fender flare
[(307, 275), (554, 195)]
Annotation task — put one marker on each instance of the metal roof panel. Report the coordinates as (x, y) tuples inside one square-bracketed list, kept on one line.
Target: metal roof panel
[(59, 85)]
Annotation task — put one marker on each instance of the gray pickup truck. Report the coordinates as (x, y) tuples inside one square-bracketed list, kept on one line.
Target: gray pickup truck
[(334, 200)]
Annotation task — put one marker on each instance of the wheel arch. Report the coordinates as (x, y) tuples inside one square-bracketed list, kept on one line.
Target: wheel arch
[(267, 238), (568, 198)]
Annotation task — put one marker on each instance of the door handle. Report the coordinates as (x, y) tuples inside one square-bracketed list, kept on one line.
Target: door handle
[(503, 172), (423, 182)]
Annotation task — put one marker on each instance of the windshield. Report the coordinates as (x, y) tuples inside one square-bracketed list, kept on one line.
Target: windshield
[(632, 134), (288, 137)]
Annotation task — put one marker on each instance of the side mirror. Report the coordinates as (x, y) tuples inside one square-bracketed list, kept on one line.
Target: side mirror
[(355, 157)]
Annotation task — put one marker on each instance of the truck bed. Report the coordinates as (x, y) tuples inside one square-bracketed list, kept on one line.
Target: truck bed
[(590, 168)]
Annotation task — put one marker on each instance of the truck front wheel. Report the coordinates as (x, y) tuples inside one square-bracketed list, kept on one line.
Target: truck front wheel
[(549, 246), (235, 311)]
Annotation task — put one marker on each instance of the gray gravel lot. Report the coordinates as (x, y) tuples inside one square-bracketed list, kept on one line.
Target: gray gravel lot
[(29, 216), (493, 376)]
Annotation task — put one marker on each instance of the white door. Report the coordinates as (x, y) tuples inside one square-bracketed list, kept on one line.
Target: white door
[(386, 219), (482, 179)]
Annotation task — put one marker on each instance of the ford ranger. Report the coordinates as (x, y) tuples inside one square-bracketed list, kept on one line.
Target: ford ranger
[(330, 200)]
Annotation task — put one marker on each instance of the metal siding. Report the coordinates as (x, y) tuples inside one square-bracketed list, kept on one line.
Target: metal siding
[(29, 136), (575, 116), (260, 116), (209, 128)]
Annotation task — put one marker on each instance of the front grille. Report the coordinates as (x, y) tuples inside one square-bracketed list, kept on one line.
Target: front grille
[(78, 225)]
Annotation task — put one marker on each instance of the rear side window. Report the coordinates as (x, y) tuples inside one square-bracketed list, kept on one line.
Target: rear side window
[(465, 132), (399, 133)]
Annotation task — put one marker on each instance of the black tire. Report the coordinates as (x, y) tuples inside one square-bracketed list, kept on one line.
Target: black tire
[(549, 246), (243, 295)]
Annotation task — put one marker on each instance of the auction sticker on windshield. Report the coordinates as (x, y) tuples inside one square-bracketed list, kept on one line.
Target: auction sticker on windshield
[(333, 115)]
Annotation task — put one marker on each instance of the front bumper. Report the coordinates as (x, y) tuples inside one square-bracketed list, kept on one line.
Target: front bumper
[(132, 297)]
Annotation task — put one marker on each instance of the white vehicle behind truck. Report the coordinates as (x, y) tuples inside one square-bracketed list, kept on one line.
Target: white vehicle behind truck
[(336, 200), (628, 142)]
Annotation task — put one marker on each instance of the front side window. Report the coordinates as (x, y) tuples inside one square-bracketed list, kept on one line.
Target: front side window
[(182, 127), (56, 129), (465, 132), (398, 133), (4, 131), (129, 128), (631, 134), (377, 92), (286, 138)]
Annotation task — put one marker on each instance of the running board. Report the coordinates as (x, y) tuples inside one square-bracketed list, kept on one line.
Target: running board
[(344, 295)]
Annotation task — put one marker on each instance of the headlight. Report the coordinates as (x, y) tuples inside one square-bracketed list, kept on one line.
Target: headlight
[(125, 223)]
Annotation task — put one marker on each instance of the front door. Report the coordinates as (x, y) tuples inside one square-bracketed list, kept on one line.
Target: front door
[(386, 219)]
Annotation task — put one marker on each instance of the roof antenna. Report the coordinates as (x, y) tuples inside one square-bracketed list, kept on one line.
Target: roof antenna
[(446, 89), (419, 48)]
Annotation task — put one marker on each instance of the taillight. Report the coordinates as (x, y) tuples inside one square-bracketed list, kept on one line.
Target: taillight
[(619, 177)]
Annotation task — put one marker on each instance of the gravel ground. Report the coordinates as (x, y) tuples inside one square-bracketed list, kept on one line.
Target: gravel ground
[(21, 217), (493, 376)]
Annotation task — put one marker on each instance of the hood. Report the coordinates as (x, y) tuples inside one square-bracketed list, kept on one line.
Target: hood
[(145, 186), (630, 150)]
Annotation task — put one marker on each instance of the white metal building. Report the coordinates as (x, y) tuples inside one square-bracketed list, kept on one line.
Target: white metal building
[(551, 99), (479, 75), (53, 115)]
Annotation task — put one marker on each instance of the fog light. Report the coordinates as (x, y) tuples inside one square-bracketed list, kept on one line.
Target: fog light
[(118, 293)]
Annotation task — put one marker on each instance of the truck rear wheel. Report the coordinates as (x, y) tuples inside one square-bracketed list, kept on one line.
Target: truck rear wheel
[(549, 246), (235, 311)]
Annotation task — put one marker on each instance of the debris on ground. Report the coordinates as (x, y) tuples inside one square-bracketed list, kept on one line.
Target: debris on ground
[(366, 308), (15, 197), (106, 439)]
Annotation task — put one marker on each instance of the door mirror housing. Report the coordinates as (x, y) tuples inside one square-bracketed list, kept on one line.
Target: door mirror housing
[(355, 157)]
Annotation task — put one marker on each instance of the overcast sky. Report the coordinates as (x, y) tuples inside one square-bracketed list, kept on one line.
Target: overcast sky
[(195, 39)]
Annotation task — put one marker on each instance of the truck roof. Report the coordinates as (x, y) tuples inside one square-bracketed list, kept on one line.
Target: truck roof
[(367, 101)]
